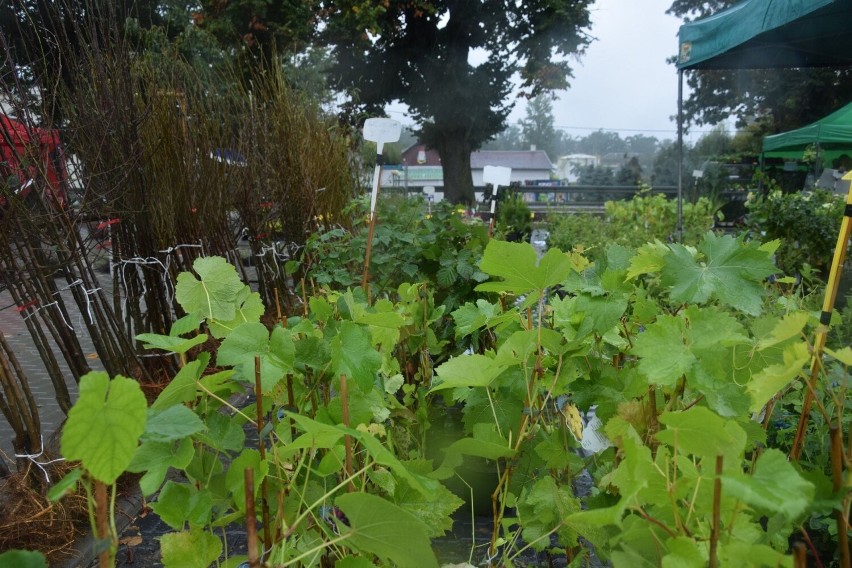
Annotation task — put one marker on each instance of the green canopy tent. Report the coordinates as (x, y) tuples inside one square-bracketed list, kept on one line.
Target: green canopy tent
[(830, 135), (764, 34)]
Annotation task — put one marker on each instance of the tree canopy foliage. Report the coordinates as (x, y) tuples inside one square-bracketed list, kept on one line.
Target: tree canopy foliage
[(772, 100), (421, 53)]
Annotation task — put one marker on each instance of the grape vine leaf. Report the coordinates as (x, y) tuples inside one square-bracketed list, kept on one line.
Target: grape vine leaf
[(235, 476), (104, 425), (196, 548), (379, 527), (774, 487), (434, 507), (790, 326), (663, 351), (183, 387), (649, 259), (843, 355), (518, 265), (703, 433), (171, 423), (179, 503), (155, 459), (248, 307), (542, 510), (467, 371), (768, 381), (725, 268), (353, 355), (170, 343), (213, 295), (277, 353)]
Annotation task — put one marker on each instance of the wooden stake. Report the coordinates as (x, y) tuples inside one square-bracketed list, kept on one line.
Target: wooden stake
[(102, 520), (717, 505), (251, 520), (347, 440), (836, 435), (267, 536), (800, 555)]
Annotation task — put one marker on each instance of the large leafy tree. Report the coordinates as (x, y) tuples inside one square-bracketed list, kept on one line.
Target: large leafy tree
[(420, 52), (538, 129), (773, 100)]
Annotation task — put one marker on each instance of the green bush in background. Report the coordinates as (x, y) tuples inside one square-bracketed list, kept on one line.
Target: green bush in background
[(646, 217), (807, 222)]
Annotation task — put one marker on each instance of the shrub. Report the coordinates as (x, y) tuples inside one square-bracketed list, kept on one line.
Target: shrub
[(646, 217), (807, 223)]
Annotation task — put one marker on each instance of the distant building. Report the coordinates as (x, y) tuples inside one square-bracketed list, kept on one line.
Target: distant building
[(421, 167), (567, 166)]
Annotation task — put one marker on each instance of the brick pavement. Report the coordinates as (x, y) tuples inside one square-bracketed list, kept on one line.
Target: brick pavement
[(18, 337)]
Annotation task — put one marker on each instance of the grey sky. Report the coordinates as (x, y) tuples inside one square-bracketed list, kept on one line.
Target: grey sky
[(623, 83)]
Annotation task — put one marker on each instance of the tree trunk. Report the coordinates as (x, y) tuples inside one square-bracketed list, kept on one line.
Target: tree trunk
[(454, 148)]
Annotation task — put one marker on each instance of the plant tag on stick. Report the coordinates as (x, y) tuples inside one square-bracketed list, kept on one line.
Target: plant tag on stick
[(496, 176), (380, 131)]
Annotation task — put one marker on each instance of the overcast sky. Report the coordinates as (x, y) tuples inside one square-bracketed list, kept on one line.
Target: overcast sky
[(623, 82)]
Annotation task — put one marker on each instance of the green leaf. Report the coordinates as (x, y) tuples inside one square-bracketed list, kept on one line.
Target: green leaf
[(169, 343), (485, 443), (729, 270), (379, 527), (250, 340), (775, 487), (155, 459), (22, 559), (604, 311), (543, 509), (316, 434), (664, 356), (186, 324), (235, 476), (790, 326), (353, 562), (196, 548), (467, 371), (248, 308), (684, 553), (172, 423), (183, 387), (320, 309), (65, 486), (518, 265), (434, 507), (213, 296), (703, 433), (649, 259), (770, 380), (103, 427), (843, 355), (181, 503), (354, 356)]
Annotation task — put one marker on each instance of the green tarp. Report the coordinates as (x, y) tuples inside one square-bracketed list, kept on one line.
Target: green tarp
[(762, 34), (833, 132)]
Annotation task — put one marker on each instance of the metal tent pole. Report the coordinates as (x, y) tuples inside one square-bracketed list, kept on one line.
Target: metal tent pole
[(679, 233)]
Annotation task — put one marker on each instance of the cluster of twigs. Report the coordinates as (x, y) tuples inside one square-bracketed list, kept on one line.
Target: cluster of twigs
[(167, 161)]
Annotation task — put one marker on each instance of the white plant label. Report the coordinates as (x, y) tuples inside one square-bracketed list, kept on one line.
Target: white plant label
[(380, 131), (497, 175)]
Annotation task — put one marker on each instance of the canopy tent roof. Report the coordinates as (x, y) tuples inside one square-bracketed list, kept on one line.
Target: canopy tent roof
[(830, 132), (762, 34)]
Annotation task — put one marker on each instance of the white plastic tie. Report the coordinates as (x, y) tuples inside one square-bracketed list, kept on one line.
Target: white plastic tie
[(40, 465)]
